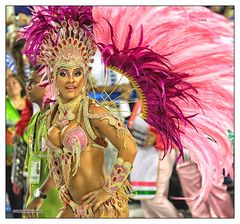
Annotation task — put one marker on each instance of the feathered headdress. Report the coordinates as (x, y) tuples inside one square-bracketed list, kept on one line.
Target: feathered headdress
[(180, 60), (60, 35), (157, 85)]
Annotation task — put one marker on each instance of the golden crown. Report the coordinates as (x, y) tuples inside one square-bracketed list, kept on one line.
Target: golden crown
[(68, 45)]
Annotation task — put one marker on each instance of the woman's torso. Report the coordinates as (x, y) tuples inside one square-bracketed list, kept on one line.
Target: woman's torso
[(91, 174)]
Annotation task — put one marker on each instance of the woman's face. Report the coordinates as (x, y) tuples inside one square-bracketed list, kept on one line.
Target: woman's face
[(14, 88), (70, 82)]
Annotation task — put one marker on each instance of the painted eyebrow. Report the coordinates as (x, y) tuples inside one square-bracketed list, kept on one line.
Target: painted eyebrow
[(78, 69), (64, 69)]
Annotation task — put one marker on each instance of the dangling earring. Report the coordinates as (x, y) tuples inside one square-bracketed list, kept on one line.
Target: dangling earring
[(55, 90), (80, 105), (84, 91), (91, 84)]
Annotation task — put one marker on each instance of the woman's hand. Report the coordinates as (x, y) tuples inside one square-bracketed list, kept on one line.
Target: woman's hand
[(64, 195), (33, 207), (96, 198)]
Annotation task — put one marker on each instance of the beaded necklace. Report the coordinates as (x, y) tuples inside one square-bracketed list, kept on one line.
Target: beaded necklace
[(66, 110)]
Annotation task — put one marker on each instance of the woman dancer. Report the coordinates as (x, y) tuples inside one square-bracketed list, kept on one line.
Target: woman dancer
[(170, 82), (76, 138)]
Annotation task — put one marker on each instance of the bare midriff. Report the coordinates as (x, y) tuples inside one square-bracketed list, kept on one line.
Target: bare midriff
[(90, 175)]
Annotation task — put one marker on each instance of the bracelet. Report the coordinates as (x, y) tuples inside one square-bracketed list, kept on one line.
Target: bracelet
[(118, 175)]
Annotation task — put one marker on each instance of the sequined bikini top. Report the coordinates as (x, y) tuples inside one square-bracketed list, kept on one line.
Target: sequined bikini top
[(99, 141), (75, 140)]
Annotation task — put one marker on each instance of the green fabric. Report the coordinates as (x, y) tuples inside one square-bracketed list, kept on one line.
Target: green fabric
[(144, 192), (186, 157), (12, 114), (231, 135), (12, 117), (52, 203), (10, 150)]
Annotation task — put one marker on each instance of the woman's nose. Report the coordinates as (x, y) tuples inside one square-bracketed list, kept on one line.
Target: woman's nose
[(70, 78)]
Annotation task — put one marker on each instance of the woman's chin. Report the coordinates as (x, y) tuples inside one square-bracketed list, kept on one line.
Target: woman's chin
[(70, 96)]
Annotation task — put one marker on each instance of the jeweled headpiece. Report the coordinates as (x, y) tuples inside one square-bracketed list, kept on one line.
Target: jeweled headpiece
[(61, 36), (73, 47)]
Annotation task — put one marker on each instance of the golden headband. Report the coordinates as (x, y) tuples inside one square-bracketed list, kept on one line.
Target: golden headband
[(68, 46)]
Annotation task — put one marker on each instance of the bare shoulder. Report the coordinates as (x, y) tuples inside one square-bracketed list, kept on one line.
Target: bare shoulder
[(98, 113), (95, 108)]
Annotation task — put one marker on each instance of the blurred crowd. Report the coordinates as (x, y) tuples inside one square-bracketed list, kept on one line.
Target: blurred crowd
[(227, 11), (17, 75)]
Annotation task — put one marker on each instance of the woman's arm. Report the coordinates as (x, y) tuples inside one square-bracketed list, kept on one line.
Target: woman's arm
[(112, 128), (109, 126)]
